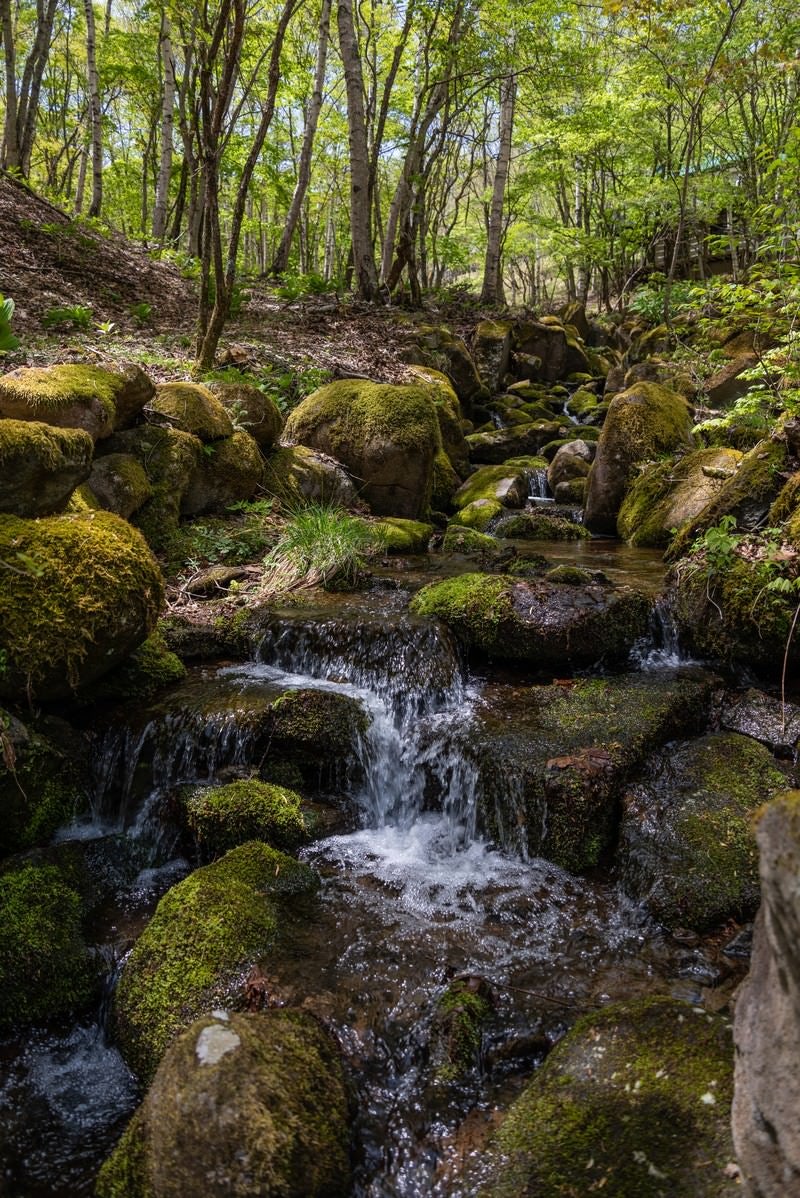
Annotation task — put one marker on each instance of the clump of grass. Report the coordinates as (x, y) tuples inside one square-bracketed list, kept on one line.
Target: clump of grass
[(320, 545)]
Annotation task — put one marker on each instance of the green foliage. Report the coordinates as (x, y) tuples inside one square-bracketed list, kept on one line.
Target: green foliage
[(106, 327), (718, 545), (8, 341), (296, 286), (74, 317), (320, 545), (142, 313), (648, 301)]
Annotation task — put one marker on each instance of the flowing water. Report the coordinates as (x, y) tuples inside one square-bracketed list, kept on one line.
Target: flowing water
[(412, 896)]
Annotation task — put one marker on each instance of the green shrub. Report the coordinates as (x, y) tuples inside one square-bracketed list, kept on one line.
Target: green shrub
[(320, 545), (75, 317), (7, 339)]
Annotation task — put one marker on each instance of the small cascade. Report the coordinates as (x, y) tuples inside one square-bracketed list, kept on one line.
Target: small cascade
[(661, 648), (538, 489)]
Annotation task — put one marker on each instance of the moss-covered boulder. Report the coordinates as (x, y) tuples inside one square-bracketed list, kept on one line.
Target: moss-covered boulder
[(45, 968), (319, 731), (387, 436), (522, 440), (491, 351), (535, 620), (192, 408), (403, 536), (230, 472), (75, 395), (40, 466), (747, 494), (508, 484), (297, 475), (244, 1105), (571, 493), (669, 494), (633, 1102), (449, 415), (538, 526), (206, 933), (572, 460), (478, 514), (222, 817), (441, 349), (459, 538), (150, 668), (581, 404), (558, 351), (553, 761), (85, 591), (43, 783), (643, 423), (120, 484), (686, 844), (445, 482), (251, 410), (169, 458)]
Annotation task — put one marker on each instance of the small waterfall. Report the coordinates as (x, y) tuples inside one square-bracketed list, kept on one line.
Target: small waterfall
[(661, 648), (538, 489)]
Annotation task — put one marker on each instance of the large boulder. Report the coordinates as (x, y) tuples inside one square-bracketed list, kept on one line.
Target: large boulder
[(491, 351), (670, 494), (558, 351), (386, 436), (120, 484), (727, 385), (76, 396), (448, 411), (686, 843), (537, 620), (205, 934), (40, 466), (231, 473), (767, 1024), (571, 461), (297, 476), (169, 458), (242, 1104), (251, 410), (643, 423), (192, 408), (439, 348), (633, 1103), (98, 593), (553, 761)]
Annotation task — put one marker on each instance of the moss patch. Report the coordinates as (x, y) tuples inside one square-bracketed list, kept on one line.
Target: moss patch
[(41, 786), (51, 389), (403, 536), (222, 817), (149, 669), (478, 515), (192, 408), (538, 526), (460, 539)]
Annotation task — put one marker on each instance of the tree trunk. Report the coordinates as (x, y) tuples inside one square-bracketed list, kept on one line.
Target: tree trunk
[(94, 112), (304, 170), (10, 158), (360, 225), (492, 292), (167, 121)]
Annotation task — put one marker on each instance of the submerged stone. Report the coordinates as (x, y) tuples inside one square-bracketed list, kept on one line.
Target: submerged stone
[(222, 817)]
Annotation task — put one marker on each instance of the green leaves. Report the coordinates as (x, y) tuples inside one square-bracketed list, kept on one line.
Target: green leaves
[(7, 339)]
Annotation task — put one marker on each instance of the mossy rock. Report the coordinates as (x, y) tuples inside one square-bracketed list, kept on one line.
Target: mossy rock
[(507, 484), (497, 446), (445, 483), (747, 495), (40, 466), (242, 1104), (457, 1028), (491, 349), (442, 350), (120, 484), (581, 403), (635, 1100), (385, 435), (731, 616), (82, 500), (478, 514), (192, 408), (251, 410), (75, 395), (449, 415), (222, 817), (573, 460), (571, 493), (403, 536), (538, 526), (553, 761), (42, 785), (669, 494), (298, 476), (461, 539), (169, 458), (687, 847), (229, 471), (205, 934), (536, 621), (98, 594), (150, 668), (643, 423), (540, 411), (45, 968), (787, 503), (319, 731)]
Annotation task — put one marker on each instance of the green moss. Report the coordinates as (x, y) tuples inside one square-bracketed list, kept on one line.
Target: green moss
[(222, 817), (472, 604), (121, 483), (125, 1173), (205, 934), (53, 388), (572, 576), (507, 484), (457, 1030), (297, 475), (150, 668), (317, 722), (83, 591), (403, 536), (787, 503), (82, 500), (359, 412), (192, 408), (50, 445), (169, 458), (582, 403), (45, 967), (478, 514), (445, 482), (539, 526), (460, 539), (41, 787), (636, 1098)]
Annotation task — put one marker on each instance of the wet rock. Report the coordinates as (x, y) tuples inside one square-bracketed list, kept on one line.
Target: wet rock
[(767, 1021), (120, 483), (222, 817), (635, 1098), (457, 1028), (241, 1104), (251, 410), (42, 783), (318, 731), (491, 349), (554, 760), (40, 466), (538, 621), (539, 525), (386, 437), (459, 539), (205, 934), (98, 594), (686, 845), (507, 484), (297, 475), (500, 444), (403, 536), (667, 495), (642, 423), (192, 408), (478, 514), (76, 396), (150, 668), (765, 718), (571, 461)]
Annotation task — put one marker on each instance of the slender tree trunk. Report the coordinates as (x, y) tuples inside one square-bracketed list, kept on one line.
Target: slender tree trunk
[(80, 192), (167, 122), (492, 291), (32, 82), (96, 202), (10, 157), (304, 170), (360, 225)]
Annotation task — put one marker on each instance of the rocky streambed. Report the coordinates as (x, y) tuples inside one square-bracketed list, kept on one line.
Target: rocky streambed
[(489, 856)]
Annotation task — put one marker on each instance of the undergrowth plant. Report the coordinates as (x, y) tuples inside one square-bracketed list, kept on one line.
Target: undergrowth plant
[(320, 545), (76, 316), (7, 339)]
